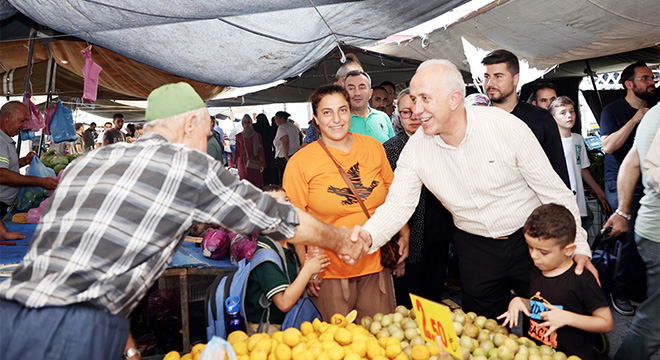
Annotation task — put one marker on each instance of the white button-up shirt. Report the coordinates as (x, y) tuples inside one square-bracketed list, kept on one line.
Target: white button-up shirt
[(490, 183)]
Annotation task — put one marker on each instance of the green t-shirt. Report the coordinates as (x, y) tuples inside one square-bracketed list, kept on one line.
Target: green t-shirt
[(269, 279), (377, 125)]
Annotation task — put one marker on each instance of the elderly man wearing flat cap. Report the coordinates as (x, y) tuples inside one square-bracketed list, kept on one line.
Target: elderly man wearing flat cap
[(115, 222)]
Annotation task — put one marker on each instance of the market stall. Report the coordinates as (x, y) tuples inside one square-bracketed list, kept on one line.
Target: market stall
[(193, 270)]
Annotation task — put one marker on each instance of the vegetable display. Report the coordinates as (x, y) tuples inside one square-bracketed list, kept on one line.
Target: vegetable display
[(56, 160), (215, 244)]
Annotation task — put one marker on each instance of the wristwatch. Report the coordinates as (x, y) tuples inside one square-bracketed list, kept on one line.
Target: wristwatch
[(622, 214), (130, 353)]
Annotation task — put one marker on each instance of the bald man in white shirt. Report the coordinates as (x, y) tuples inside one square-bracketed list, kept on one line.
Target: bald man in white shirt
[(490, 172)]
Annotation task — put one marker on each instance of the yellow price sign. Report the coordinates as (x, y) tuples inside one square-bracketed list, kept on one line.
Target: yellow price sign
[(435, 321)]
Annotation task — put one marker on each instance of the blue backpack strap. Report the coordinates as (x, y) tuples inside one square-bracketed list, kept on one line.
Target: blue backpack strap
[(260, 256), (210, 306)]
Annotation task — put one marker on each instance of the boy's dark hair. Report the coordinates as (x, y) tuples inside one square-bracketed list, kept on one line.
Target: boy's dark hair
[(551, 222), (116, 116), (272, 187), (503, 56), (92, 124), (629, 72)]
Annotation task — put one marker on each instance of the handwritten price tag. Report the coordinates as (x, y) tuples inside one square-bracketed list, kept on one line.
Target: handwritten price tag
[(434, 320)]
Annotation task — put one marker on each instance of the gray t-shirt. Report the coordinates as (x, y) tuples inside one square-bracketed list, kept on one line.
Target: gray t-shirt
[(114, 136), (8, 160), (647, 224)]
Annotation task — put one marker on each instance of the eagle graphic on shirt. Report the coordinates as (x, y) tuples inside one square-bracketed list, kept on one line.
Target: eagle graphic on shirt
[(347, 194)]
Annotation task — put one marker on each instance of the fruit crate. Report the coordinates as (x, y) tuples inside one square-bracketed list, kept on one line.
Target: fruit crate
[(197, 285)]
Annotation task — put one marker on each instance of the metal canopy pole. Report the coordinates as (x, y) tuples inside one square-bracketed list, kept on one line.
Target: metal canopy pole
[(593, 83), (33, 31), (52, 67)]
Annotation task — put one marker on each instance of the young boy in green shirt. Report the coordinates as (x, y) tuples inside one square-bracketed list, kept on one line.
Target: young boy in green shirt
[(267, 278)]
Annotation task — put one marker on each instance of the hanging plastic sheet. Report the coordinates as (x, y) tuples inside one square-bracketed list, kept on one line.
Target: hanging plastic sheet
[(49, 117), (91, 72), (36, 121)]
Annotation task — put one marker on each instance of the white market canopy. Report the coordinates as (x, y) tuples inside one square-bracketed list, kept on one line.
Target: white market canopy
[(256, 42), (543, 33), (229, 43)]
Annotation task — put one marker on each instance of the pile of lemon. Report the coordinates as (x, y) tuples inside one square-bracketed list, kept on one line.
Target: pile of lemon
[(194, 354), (340, 339)]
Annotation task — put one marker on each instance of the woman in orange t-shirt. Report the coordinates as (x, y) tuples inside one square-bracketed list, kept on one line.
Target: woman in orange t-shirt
[(313, 183)]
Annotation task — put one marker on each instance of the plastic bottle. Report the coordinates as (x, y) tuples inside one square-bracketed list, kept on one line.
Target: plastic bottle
[(312, 252), (234, 319)]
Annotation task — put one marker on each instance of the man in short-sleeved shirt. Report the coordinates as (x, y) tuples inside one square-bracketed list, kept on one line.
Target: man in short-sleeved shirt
[(618, 126), (88, 137), (642, 339), (14, 117), (115, 135), (364, 119)]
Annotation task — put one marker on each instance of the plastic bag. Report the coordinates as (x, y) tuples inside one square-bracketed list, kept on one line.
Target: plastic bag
[(49, 118), (27, 135), (31, 196), (91, 72), (33, 215), (62, 127), (36, 121), (218, 348)]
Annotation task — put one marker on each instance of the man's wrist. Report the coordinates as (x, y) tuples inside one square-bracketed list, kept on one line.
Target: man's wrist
[(130, 352), (623, 214)]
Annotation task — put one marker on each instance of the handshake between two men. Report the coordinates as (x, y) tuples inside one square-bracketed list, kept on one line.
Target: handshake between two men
[(349, 245)]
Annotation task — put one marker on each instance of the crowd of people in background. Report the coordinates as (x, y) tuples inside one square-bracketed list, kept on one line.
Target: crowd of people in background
[(436, 169)]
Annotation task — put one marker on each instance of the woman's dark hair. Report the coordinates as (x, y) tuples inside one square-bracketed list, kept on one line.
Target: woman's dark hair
[(130, 129), (262, 124), (325, 90)]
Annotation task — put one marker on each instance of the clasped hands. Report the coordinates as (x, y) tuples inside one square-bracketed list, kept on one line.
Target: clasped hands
[(359, 241), (356, 245)]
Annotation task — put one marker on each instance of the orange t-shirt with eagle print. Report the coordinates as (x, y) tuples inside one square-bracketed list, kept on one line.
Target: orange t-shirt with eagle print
[(313, 184)]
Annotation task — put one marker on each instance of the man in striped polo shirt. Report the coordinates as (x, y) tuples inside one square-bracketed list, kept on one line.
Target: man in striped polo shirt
[(14, 117)]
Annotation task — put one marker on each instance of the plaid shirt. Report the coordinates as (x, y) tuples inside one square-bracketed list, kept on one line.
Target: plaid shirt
[(119, 214)]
